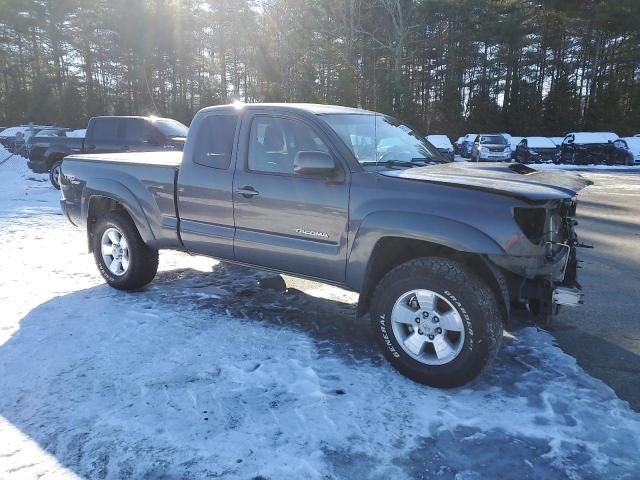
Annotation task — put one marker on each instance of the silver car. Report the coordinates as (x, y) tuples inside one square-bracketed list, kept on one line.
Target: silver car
[(490, 147)]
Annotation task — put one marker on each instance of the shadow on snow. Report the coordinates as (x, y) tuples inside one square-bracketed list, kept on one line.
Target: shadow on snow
[(210, 375)]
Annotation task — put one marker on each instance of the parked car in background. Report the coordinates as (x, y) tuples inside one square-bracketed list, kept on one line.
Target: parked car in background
[(53, 132), (104, 135), (513, 143), (80, 133), (442, 144), (610, 136), (535, 150), (491, 147), (457, 146), (626, 151), (14, 138), (467, 144), (586, 148), (437, 250)]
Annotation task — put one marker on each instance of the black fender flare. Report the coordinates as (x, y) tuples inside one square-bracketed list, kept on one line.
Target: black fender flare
[(52, 153), (434, 229), (118, 192)]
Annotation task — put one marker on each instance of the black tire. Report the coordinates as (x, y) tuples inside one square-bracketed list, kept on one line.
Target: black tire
[(143, 261), (630, 161), (472, 299), (54, 171)]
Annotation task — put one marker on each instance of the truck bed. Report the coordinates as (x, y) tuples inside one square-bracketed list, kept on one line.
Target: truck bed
[(142, 181)]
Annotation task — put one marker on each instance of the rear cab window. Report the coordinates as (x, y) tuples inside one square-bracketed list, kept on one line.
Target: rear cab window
[(105, 128), (135, 130), (214, 141)]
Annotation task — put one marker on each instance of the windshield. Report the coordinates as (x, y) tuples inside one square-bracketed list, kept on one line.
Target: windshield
[(171, 128), (493, 139), (379, 139)]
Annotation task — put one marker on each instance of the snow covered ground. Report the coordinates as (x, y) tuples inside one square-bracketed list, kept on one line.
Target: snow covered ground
[(553, 166), (210, 373)]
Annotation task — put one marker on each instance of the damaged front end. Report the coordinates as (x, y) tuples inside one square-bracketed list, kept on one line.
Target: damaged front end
[(545, 278)]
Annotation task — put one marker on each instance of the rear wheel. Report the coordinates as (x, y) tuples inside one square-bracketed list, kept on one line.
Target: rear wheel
[(436, 321), (54, 174), (122, 257)]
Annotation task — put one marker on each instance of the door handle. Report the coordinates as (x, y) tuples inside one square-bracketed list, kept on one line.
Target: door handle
[(247, 191)]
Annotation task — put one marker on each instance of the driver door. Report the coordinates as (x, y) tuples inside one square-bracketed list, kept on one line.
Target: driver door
[(285, 220)]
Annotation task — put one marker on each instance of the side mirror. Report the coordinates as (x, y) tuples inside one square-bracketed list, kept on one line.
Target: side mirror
[(314, 163)]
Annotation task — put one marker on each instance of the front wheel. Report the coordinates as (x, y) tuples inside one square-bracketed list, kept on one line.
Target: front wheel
[(54, 174), (122, 257), (437, 322)]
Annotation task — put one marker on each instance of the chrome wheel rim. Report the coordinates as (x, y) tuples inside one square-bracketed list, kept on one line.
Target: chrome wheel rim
[(115, 251), (427, 327)]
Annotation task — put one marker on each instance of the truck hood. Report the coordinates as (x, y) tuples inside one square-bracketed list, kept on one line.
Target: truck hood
[(515, 180)]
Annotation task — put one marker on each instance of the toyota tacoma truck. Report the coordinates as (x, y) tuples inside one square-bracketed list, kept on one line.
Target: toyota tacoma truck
[(105, 134), (439, 252)]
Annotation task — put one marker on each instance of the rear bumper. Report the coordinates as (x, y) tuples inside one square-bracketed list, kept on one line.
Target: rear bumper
[(447, 153)]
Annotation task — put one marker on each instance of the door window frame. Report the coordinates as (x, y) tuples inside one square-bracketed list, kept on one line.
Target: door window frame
[(246, 141)]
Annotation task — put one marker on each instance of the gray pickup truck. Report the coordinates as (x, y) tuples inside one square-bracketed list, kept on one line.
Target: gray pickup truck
[(439, 252)]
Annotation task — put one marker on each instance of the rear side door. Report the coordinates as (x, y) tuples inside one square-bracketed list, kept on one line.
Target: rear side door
[(103, 135), (284, 220), (205, 180)]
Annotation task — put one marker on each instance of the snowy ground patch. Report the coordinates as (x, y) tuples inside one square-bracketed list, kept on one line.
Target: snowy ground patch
[(563, 166), (207, 374), (599, 167)]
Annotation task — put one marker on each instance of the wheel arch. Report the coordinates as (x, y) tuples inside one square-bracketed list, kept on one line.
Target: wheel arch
[(100, 203), (393, 251), (53, 155), (388, 239)]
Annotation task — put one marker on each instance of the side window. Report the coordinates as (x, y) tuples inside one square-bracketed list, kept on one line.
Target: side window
[(105, 128), (214, 141), (134, 130), (275, 142)]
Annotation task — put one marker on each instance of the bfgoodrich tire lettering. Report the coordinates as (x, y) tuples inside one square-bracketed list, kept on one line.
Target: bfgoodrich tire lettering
[(142, 260), (473, 302)]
